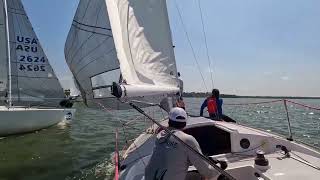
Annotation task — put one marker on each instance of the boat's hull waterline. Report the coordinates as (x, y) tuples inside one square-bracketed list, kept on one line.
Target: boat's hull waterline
[(22, 120), (235, 144)]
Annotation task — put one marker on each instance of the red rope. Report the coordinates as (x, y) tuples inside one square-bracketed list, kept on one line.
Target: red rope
[(279, 100), (304, 105), (116, 158), (262, 102)]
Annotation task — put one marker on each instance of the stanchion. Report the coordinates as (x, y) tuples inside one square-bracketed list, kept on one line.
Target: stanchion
[(288, 119)]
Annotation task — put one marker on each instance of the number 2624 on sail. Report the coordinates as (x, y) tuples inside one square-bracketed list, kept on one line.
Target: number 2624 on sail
[(32, 67)]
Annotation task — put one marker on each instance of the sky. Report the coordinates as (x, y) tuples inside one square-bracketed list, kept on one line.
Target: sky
[(256, 47)]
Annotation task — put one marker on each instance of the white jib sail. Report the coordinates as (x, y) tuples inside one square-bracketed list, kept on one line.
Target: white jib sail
[(144, 47), (33, 79)]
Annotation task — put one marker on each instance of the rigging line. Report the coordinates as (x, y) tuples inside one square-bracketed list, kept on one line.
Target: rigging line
[(190, 44), (304, 161), (98, 27), (206, 44), (110, 112)]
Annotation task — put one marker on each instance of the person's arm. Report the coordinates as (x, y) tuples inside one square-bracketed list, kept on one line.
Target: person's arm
[(204, 168), (204, 104), (220, 107)]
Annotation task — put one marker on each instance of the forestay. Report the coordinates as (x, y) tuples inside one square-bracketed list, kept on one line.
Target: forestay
[(33, 79), (3, 54)]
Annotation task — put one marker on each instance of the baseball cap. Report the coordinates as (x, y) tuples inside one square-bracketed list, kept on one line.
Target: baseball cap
[(178, 115)]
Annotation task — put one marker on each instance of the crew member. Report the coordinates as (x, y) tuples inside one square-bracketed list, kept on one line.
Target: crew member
[(180, 84), (213, 104), (170, 159), (180, 103)]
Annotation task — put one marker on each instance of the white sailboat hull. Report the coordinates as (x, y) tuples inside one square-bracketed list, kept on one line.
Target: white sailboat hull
[(21, 120)]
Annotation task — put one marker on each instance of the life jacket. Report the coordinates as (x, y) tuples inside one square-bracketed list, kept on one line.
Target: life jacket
[(212, 105)]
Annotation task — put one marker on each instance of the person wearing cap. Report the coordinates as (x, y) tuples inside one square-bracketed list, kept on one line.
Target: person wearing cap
[(213, 104), (170, 158)]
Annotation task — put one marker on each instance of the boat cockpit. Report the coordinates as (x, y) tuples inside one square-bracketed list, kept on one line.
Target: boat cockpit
[(212, 140)]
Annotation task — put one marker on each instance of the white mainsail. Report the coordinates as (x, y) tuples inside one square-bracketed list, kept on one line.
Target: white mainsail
[(103, 47), (143, 41), (33, 79)]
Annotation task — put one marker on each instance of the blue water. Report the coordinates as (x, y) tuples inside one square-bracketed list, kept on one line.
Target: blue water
[(82, 149)]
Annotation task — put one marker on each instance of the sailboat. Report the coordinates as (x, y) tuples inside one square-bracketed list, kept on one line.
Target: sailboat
[(120, 50), (29, 89)]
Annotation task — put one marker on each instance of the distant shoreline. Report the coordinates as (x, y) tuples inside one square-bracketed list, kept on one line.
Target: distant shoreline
[(201, 94)]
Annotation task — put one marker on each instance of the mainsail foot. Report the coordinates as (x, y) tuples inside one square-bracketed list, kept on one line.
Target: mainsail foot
[(124, 90)]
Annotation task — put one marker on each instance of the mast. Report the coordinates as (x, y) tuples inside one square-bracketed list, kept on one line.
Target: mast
[(9, 53)]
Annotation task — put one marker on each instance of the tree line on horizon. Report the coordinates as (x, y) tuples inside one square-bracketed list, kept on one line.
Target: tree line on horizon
[(206, 94)]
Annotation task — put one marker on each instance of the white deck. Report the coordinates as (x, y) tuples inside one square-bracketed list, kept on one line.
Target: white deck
[(240, 161)]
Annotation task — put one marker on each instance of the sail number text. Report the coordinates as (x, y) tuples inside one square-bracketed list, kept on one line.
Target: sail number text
[(29, 62), (32, 59), (27, 44), (31, 67)]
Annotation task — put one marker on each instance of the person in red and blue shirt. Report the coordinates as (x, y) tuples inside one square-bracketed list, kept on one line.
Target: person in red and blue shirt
[(214, 105)]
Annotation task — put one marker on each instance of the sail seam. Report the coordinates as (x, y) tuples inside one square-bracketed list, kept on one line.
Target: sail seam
[(15, 9), (104, 72), (91, 25), (93, 61), (33, 77), (76, 34), (74, 54), (90, 31), (81, 59), (17, 13)]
